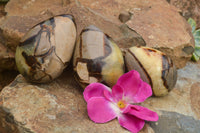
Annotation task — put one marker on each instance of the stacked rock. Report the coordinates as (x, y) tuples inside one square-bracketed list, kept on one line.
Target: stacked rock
[(47, 48)]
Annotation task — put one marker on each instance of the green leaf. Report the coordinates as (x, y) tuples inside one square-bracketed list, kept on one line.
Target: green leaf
[(196, 33), (195, 57), (197, 51), (197, 41), (192, 24)]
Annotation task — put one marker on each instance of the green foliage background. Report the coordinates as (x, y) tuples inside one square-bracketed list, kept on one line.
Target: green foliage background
[(196, 34)]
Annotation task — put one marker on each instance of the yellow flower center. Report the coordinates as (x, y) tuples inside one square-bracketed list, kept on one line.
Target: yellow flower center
[(121, 104)]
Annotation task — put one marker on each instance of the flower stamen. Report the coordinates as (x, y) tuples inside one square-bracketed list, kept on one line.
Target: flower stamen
[(121, 104)]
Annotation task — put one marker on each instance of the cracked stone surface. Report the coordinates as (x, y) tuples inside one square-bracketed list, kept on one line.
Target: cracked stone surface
[(158, 23), (188, 8), (19, 20), (176, 123), (59, 107)]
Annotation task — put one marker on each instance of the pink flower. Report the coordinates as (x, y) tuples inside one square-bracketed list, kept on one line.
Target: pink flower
[(104, 104)]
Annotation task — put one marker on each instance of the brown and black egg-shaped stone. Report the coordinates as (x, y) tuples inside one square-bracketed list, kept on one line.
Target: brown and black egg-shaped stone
[(97, 58), (155, 68), (46, 49)]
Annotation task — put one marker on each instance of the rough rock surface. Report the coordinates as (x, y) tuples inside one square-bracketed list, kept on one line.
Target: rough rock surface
[(23, 14), (163, 28), (7, 61), (7, 66), (184, 99), (156, 21), (59, 107), (6, 77), (176, 123), (188, 8), (7, 58)]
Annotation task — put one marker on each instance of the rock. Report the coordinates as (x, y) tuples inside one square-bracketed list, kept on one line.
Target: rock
[(147, 129), (6, 77), (59, 107), (23, 14), (66, 2), (188, 8), (181, 98), (179, 110), (172, 122), (145, 17), (163, 28), (7, 62), (7, 66), (124, 17), (195, 99), (7, 58), (189, 78), (19, 20), (2, 12)]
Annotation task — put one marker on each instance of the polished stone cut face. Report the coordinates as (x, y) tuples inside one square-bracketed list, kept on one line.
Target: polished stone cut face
[(154, 67), (97, 58), (92, 44), (46, 49)]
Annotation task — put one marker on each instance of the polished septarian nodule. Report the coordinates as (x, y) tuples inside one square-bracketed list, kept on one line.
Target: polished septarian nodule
[(46, 49), (155, 68), (97, 58)]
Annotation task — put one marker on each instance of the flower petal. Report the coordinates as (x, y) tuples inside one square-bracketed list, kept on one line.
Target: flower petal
[(95, 90), (101, 110), (141, 112), (108, 96), (144, 91), (131, 122), (117, 92), (135, 90)]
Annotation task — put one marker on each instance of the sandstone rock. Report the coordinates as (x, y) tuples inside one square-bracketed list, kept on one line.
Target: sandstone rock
[(181, 99), (188, 8), (167, 24), (7, 61), (156, 21), (2, 12), (163, 28), (7, 66), (19, 20), (64, 94), (6, 77), (7, 58), (59, 107), (176, 123), (6, 55), (189, 78), (195, 99), (124, 16), (179, 111)]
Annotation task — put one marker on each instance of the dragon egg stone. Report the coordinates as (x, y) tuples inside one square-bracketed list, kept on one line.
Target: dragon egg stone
[(155, 68), (46, 49), (97, 58)]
